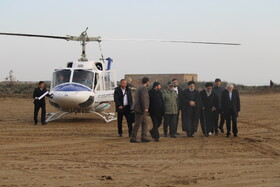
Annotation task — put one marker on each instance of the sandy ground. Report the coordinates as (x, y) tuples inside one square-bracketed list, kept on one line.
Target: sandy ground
[(82, 150)]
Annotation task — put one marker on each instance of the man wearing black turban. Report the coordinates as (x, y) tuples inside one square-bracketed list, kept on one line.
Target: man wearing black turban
[(210, 105), (191, 109)]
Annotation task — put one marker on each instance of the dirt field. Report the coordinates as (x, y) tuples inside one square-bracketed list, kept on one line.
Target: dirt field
[(84, 151)]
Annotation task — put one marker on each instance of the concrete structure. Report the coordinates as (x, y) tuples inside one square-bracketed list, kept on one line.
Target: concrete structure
[(135, 79)]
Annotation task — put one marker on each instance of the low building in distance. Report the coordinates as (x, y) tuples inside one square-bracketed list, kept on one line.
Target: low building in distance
[(136, 79)]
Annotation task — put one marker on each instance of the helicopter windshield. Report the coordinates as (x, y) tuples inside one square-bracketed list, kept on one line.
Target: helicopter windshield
[(61, 76), (84, 77)]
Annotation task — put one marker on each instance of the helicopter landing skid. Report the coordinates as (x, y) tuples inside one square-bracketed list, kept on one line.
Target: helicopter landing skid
[(55, 116), (108, 117)]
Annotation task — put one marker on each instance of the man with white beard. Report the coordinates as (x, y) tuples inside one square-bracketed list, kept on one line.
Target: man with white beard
[(210, 105), (230, 107)]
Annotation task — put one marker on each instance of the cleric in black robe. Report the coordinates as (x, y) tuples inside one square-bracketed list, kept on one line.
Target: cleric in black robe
[(210, 106), (191, 109), (230, 106)]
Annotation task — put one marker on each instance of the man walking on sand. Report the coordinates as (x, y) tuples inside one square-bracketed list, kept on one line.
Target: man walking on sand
[(218, 88), (230, 108), (156, 109), (210, 104), (171, 107), (191, 109), (141, 108), (179, 92), (123, 101)]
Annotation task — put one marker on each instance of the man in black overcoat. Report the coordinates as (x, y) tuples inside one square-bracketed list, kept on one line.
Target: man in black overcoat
[(156, 109), (210, 105), (218, 88), (191, 109), (40, 103), (123, 102), (230, 107)]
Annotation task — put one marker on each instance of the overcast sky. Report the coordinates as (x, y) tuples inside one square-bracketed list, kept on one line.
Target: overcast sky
[(253, 23)]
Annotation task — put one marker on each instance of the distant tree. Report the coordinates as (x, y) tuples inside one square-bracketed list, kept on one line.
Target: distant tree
[(11, 78), (272, 84)]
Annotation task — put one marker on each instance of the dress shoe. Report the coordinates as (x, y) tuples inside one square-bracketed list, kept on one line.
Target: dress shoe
[(221, 129), (151, 133), (235, 135), (134, 141), (173, 136), (35, 123), (207, 134), (144, 140), (120, 135), (44, 123), (216, 133)]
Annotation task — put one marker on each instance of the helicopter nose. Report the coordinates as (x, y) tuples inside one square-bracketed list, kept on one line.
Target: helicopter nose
[(72, 101)]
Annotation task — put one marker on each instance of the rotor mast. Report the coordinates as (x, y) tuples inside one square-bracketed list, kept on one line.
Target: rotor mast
[(83, 39)]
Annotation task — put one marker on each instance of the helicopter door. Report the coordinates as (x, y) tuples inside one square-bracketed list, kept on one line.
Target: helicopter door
[(105, 86), (96, 78)]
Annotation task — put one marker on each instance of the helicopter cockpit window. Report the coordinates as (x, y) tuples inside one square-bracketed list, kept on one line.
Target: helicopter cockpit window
[(83, 77), (61, 76)]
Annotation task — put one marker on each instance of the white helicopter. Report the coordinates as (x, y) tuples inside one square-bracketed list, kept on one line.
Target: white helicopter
[(87, 86)]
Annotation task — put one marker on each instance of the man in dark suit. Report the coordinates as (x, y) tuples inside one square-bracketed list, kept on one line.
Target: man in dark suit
[(210, 105), (156, 109), (40, 103), (141, 108), (218, 88), (191, 109), (230, 106), (179, 92), (123, 102)]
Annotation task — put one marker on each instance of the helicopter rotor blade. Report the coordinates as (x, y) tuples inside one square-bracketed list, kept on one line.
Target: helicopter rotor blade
[(172, 41), (35, 35), (98, 39), (68, 37)]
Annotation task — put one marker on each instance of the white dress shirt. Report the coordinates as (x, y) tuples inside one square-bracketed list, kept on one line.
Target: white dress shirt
[(176, 90), (125, 101), (230, 95)]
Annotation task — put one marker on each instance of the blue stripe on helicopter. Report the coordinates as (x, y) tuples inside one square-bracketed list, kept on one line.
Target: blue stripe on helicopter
[(71, 88)]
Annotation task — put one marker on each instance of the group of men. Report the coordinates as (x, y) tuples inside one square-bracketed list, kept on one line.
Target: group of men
[(211, 105)]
